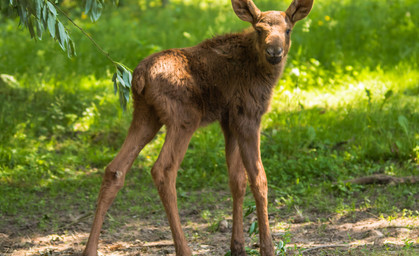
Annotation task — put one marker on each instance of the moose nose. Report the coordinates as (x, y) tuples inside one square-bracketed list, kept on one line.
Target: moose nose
[(274, 51)]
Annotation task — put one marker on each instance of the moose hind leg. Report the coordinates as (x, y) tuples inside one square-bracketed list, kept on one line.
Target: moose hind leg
[(164, 174), (142, 130)]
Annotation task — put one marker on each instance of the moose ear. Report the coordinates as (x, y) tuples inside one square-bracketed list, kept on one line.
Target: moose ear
[(246, 10), (299, 9)]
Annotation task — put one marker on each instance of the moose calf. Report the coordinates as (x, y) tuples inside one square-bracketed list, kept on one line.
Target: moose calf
[(228, 79)]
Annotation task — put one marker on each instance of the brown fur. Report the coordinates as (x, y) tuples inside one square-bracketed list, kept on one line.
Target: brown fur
[(228, 79)]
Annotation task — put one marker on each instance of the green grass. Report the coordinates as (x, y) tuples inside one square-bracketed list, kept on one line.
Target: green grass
[(347, 106)]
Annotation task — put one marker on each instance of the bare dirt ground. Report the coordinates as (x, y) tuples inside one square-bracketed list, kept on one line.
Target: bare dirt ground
[(358, 234)]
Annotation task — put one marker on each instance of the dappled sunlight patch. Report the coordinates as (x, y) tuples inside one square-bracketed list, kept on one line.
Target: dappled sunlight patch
[(83, 123), (149, 234), (38, 244), (337, 232), (367, 88)]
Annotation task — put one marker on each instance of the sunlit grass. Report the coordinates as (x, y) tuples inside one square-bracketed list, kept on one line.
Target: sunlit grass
[(349, 91)]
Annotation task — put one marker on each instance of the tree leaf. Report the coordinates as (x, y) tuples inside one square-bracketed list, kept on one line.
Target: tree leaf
[(51, 24), (129, 78), (30, 27), (120, 79), (126, 79), (38, 8), (99, 10), (94, 15), (115, 86), (22, 14), (119, 68), (62, 35), (121, 99), (44, 15), (52, 8), (71, 49), (126, 94), (122, 83), (88, 6), (96, 10), (126, 74), (39, 29), (122, 67)]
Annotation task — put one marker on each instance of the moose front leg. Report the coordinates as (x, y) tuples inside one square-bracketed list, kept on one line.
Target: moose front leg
[(237, 181), (249, 144)]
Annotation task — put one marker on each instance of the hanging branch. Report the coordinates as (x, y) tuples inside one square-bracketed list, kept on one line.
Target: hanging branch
[(123, 75), (40, 15)]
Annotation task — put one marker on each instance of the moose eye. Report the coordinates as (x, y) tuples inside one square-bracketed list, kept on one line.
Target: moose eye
[(259, 31), (288, 31)]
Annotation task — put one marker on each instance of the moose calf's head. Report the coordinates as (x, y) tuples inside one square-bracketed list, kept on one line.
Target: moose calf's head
[(273, 28)]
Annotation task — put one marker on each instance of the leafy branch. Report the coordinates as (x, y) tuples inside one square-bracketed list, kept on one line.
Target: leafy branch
[(123, 75), (41, 15)]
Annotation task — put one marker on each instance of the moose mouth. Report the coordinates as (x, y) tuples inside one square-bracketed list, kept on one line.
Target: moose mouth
[(274, 60)]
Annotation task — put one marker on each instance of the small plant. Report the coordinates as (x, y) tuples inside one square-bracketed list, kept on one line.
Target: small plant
[(280, 248), (251, 208), (408, 243), (349, 236), (253, 229), (213, 221), (249, 251)]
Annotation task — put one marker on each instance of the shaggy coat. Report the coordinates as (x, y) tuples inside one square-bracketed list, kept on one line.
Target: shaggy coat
[(223, 78)]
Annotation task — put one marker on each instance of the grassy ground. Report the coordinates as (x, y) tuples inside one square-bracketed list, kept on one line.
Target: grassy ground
[(347, 106)]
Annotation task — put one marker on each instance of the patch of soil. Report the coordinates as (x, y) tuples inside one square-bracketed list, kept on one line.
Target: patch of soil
[(359, 233)]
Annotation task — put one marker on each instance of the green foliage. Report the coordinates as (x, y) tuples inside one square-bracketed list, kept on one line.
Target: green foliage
[(39, 15), (280, 248), (122, 83), (42, 14)]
